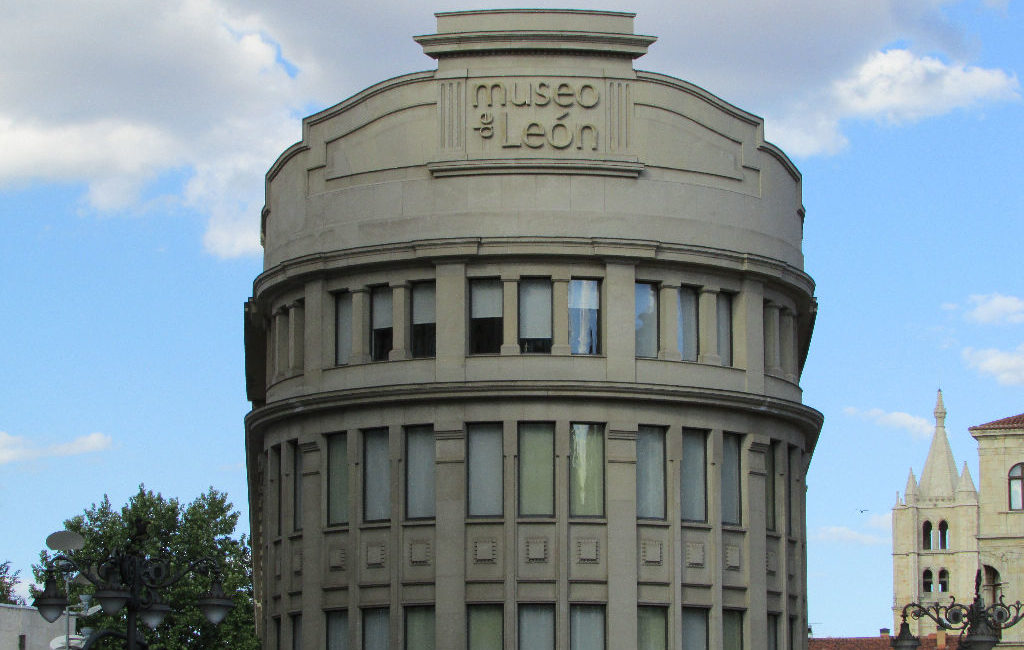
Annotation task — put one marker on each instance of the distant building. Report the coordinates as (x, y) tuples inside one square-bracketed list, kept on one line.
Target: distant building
[(22, 628), (937, 641)]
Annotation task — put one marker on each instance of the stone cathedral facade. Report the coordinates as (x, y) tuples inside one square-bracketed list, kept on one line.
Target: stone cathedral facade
[(524, 358)]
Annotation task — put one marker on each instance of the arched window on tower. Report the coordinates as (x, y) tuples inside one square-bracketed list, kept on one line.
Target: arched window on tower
[(943, 534), (943, 580), (1017, 487), (926, 536), (927, 580)]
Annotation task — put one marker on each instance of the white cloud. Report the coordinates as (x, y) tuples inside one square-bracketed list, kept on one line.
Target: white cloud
[(847, 535), (995, 308), (917, 427), (881, 522), (16, 448), (1007, 366), (949, 306)]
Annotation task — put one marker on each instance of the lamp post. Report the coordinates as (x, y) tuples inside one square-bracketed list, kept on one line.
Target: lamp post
[(980, 626), (130, 580)]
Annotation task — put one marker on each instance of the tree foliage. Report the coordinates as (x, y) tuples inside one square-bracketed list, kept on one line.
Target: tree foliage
[(182, 534), (8, 581)]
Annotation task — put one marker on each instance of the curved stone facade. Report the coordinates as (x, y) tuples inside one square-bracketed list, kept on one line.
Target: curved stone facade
[(524, 357)]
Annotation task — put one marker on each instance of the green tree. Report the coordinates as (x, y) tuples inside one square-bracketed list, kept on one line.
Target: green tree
[(181, 534), (8, 581)]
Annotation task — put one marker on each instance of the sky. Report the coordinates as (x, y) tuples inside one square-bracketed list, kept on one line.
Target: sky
[(134, 138)]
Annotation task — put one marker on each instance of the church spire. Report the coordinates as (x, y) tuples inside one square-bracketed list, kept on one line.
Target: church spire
[(939, 477), (910, 492)]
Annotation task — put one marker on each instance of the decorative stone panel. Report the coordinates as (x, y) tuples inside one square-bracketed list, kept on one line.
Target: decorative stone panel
[(537, 549), (376, 556), (336, 559), (587, 551), (485, 550), (419, 552), (694, 554), (732, 557), (651, 552)]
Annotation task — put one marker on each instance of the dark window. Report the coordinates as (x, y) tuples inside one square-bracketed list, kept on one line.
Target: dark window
[(926, 536), (485, 316), (943, 580), (943, 535), (424, 321), (380, 318), (928, 580)]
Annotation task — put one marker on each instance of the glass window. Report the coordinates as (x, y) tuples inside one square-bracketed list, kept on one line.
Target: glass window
[(731, 501), (732, 629), (380, 319), (1017, 487), (277, 633), (536, 627), (419, 472), (650, 472), (584, 316), (926, 536), (586, 470), (485, 470), (773, 632), (485, 316), (695, 628), (646, 294), (296, 486), (943, 535), (486, 627), (376, 635), (419, 628), (337, 629), (337, 479), (537, 469), (687, 328), (535, 315), (770, 505), (927, 580), (943, 580), (725, 328), (424, 320), (376, 476), (342, 328), (586, 627), (693, 490), (651, 628), (296, 631)]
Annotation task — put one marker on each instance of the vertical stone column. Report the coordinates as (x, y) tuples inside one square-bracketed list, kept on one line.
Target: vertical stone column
[(620, 499), (748, 341), (281, 337), (296, 337), (560, 315), (451, 322), (510, 314), (400, 321), (450, 535), (360, 326), (668, 322), (756, 567), (787, 336), (319, 331), (618, 303), (312, 545), (707, 310), (772, 351), (714, 557)]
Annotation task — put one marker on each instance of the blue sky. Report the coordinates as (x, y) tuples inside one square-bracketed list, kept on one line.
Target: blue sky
[(133, 142)]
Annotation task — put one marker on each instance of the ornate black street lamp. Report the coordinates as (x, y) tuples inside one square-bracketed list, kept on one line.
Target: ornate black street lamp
[(128, 579), (980, 626)]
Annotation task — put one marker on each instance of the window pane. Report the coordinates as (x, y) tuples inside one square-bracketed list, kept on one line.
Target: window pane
[(586, 627), (687, 332), (424, 320), (485, 326), (731, 444), (486, 627), (337, 479), (337, 630), (296, 631), (646, 319), (535, 315), (536, 627), (419, 628), (773, 632), (695, 628), (380, 318), (693, 476), (725, 328), (769, 486), (650, 473), (376, 476), (537, 469), (651, 628), (296, 486), (376, 635), (586, 470), (1016, 494), (419, 472), (732, 630), (343, 328), (584, 312), (484, 488)]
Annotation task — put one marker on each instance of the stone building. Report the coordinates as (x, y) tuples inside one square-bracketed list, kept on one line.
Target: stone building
[(524, 358)]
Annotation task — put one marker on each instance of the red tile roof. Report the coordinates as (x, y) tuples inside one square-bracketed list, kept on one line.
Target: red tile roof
[(1012, 422), (875, 643)]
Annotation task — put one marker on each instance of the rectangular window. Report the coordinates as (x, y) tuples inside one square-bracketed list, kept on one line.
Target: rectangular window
[(337, 479), (424, 320), (650, 472), (793, 466), (770, 502), (795, 640), (296, 486), (725, 328), (337, 629), (296, 620), (419, 628), (342, 328), (376, 632), (277, 633), (484, 470), (651, 628), (536, 627), (646, 295), (586, 627), (695, 628), (486, 627), (773, 632), (687, 328), (536, 469), (485, 316), (586, 470), (732, 629), (376, 476), (584, 316), (277, 472), (535, 315), (693, 483), (380, 323), (419, 472), (731, 499)]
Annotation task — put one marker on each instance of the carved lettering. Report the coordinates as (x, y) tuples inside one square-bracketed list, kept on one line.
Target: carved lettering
[(489, 94), (543, 98), (564, 96)]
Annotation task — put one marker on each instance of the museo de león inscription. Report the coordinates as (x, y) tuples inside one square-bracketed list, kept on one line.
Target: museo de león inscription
[(538, 114)]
